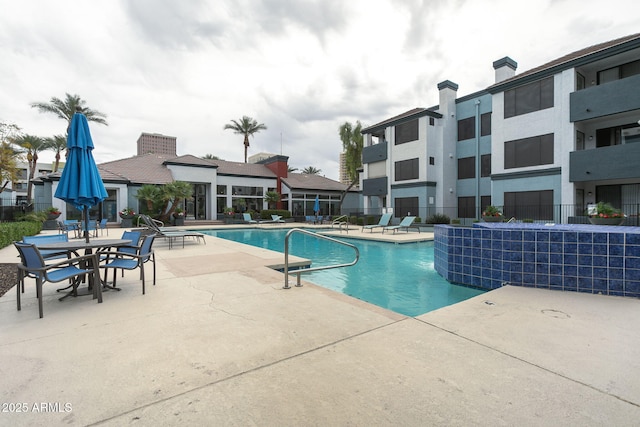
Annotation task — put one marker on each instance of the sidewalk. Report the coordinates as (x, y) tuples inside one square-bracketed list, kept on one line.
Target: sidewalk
[(218, 342)]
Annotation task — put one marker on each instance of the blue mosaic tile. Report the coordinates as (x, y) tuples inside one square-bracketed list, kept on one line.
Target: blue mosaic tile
[(555, 282), (555, 269), (632, 250), (528, 267), (600, 272), (542, 246), (570, 259), (600, 285), (617, 250), (632, 262), (585, 284), (632, 239), (600, 238), (555, 247), (556, 258), (516, 278), (600, 249), (632, 288), (570, 270), (616, 273), (599, 261), (616, 238), (585, 271), (616, 286), (570, 248), (585, 260), (529, 236), (556, 236), (529, 279), (585, 237), (542, 236), (570, 237), (570, 283), (585, 248), (542, 258), (632, 274), (542, 280)]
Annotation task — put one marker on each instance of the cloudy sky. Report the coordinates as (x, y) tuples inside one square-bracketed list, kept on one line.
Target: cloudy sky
[(301, 67)]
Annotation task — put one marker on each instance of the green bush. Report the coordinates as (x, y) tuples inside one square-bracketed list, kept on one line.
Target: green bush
[(527, 220), (371, 220), (14, 231), (418, 220), (438, 219), (455, 221)]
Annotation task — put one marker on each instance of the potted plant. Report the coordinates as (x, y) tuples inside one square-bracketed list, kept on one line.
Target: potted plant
[(127, 213), (492, 214), (178, 216), (52, 213), (228, 215), (604, 214)]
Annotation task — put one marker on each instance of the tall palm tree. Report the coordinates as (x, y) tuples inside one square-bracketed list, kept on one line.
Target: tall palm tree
[(352, 143), (9, 155), (65, 109), (310, 170), (247, 127), (56, 143), (211, 157), (32, 145)]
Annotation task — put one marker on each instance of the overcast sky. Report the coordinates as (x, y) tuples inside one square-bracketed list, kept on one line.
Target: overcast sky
[(187, 68)]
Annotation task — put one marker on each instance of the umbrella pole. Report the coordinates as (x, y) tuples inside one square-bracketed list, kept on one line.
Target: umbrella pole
[(86, 224)]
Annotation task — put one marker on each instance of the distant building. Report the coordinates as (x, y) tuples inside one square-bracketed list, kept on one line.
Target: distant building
[(257, 158), (157, 144), (344, 174)]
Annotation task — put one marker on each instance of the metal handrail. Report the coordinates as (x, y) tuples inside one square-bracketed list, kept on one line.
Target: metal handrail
[(307, 270), (340, 221)]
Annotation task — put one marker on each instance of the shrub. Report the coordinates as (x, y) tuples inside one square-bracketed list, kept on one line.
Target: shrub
[(527, 220), (266, 214), (418, 219), (438, 219), (14, 231), (353, 219), (455, 221)]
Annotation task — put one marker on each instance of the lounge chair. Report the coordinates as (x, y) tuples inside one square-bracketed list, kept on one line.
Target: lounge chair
[(383, 222), (405, 225), (151, 224), (248, 219), (276, 218)]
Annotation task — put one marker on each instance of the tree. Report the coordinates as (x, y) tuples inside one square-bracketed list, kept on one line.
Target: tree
[(272, 198), (352, 143), (56, 143), (149, 194), (247, 127), (162, 201), (211, 157), (32, 145), (9, 156), (291, 169), (65, 109), (310, 170)]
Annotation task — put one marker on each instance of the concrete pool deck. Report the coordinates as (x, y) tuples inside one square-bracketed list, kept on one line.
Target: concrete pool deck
[(218, 342)]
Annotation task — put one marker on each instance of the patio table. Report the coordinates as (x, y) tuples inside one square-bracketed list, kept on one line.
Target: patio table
[(88, 250)]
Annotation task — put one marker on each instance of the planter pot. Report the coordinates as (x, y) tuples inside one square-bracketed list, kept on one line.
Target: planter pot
[(51, 216), (606, 221), (492, 218), (178, 220), (127, 216), (126, 222)]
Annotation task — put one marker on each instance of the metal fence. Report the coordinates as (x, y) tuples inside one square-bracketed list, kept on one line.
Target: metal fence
[(558, 214)]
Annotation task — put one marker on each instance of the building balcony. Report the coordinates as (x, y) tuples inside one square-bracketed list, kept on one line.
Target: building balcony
[(375, 153), (605, 163), (604, 100)]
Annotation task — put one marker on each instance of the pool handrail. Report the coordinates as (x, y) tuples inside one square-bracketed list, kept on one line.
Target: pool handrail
[(307, 270)]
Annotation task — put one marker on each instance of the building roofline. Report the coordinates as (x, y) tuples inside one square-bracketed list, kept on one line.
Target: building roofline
[(406, 116)]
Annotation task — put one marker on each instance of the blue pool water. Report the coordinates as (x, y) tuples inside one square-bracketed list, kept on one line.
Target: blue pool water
[(399, 277)]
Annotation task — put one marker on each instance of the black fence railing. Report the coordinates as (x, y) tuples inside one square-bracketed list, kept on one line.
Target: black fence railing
[(558, 214)]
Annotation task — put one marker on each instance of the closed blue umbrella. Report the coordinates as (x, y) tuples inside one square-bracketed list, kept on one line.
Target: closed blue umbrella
[(80, 183), (316, 205)]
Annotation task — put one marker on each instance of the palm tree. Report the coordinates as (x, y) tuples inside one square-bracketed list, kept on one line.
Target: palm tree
[(33, 145), (211, 157), (174, 194), (56, 143), (352, 143), (9, 155), (272, 198), (247, 127), (310, 170), (65, 109), (291, 169)]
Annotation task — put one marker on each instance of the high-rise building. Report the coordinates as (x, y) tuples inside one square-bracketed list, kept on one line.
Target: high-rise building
[(344, 174), (156, 143)]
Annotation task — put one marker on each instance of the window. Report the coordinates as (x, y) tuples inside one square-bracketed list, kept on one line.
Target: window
[(406, 169), (485, 165), (238, 190), (537, 205), (485, 124), (432, 121), (466, 128), (405, 206), (432, 160), (221, 189), (620, 72), (617, 135), (537, 150), (528, 98), (466, 207), (407, 132), (579, 140), (467, 168)]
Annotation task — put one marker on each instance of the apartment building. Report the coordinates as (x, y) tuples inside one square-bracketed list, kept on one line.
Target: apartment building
[(542, 144)]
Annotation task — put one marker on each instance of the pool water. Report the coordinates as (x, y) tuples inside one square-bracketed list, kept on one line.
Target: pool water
[(399, 277)]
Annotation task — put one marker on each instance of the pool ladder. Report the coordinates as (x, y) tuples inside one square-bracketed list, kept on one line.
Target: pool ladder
[(341, 221), (308, 270)]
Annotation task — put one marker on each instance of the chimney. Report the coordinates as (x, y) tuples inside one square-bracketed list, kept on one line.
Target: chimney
[(447, 105), (505, 68)]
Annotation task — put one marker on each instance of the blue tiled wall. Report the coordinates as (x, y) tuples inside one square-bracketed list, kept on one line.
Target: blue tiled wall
[(572, 257)]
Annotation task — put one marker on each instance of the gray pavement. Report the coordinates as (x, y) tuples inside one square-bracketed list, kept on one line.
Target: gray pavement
[(218, 342)]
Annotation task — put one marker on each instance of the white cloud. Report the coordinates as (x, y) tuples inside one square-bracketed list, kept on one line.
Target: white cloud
[(301, 67)]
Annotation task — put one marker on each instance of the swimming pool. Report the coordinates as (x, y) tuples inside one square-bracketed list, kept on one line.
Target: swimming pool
[(399, 277)]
